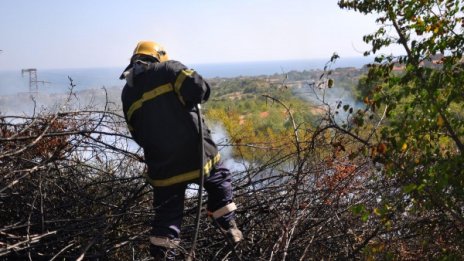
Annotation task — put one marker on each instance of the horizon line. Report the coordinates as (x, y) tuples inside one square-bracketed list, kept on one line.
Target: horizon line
[(193, 63)]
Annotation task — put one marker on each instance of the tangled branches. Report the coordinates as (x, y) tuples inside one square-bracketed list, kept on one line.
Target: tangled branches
[(68, 180), (71, 187)]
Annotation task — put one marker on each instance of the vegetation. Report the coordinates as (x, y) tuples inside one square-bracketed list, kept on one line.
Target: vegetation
[(423, 141), (72, 188), (251, 118), (334, 182)]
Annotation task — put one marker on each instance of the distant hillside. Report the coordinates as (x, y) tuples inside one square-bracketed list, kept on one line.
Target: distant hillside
[(223, 89)]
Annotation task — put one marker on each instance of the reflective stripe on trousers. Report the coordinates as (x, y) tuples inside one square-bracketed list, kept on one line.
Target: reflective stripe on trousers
[(169, 202)]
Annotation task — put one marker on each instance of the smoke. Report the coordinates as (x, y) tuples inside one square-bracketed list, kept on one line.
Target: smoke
[(336, 98), (220, 136), (330, 96), (24, 103), (95, 99)]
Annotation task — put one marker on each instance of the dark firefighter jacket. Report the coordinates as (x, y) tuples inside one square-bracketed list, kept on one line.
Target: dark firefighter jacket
[(159, 107)]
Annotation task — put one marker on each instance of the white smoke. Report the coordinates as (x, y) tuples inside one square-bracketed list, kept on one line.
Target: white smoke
[(24, 103), (336, 98), (220, 136)]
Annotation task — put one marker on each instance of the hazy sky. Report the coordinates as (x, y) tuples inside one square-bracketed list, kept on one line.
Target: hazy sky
[(72, 34)]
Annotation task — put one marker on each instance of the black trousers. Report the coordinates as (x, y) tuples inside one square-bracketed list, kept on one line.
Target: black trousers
[(168, 202)]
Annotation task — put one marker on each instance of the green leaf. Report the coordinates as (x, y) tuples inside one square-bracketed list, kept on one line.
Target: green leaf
[(330, 83), (365, 217), (409, 188), (358, 209)]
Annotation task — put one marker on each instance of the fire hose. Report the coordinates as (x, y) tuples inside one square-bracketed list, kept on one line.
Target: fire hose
[(200, 189)]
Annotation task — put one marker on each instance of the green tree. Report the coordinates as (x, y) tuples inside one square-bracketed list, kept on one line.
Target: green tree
[(423, 138)]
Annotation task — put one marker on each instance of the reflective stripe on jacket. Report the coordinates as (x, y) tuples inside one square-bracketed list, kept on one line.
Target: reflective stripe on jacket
[(159, 108)]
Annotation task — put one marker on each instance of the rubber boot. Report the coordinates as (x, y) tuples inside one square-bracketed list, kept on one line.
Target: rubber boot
[(233, 233)]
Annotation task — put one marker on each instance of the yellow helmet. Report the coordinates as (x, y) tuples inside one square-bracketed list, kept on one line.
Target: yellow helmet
[(152, 49)]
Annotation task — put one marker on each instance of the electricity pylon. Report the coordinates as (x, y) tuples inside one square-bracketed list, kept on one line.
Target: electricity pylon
[(33, 82)]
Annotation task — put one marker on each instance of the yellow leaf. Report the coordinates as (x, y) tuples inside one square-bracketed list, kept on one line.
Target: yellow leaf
[(388, 224), (440, 121), (377, 211), (420, 22), (404, 147)]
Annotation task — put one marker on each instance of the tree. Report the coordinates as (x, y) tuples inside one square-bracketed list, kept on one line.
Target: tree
[(423, 137)]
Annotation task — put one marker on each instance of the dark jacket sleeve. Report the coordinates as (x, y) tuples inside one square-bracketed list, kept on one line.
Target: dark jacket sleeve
[(126, 95), (190, 86)]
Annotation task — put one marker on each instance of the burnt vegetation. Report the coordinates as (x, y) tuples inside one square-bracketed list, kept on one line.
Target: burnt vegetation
[(72, 187), (383, 181)]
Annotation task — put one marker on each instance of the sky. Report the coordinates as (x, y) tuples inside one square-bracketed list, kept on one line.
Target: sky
[(53, 34)]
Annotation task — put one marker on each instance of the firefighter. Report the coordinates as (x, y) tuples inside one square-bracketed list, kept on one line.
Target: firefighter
[(159, 103)]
